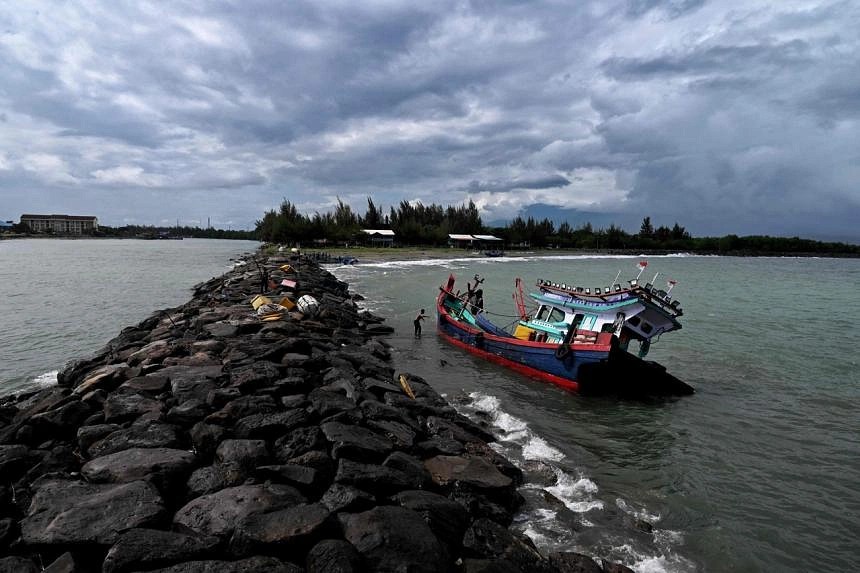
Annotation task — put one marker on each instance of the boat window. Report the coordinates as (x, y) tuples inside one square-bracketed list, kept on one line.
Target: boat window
[(634, 320), (557, 315), (542, 311), (608, 327), (646, 328)]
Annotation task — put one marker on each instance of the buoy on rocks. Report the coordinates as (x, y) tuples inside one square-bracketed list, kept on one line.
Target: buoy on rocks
[(308, 305)]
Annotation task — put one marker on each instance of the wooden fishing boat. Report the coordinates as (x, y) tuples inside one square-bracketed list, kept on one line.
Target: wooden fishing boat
[(576, 338)]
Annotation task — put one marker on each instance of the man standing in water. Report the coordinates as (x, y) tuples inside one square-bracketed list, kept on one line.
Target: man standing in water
[(417, 323)]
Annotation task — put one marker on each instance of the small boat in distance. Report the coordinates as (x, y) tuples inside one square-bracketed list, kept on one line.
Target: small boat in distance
[(494, 253), (577, 338)]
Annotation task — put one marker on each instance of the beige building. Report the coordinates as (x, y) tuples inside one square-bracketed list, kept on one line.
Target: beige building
[(61, 224)]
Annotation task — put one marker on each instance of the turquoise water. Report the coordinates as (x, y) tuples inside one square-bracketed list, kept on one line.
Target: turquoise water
[(758, 471)]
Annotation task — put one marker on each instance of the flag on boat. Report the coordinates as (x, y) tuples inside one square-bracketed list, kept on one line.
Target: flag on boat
[(671, 282), (642, 265)]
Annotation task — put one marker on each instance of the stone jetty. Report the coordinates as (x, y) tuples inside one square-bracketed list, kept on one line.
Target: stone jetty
[(211, 438)]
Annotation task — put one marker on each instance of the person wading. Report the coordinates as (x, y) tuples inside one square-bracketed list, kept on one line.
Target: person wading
[(417, 322)]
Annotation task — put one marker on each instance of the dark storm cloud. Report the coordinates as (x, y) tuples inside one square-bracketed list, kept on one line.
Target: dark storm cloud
[(726, 116)]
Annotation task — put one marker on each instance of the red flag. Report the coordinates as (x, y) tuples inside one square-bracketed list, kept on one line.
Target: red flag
[(671, 283), (642, 265)]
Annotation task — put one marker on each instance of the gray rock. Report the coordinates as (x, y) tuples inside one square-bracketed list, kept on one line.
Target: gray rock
[(150, 385), (16, 564), (65, 563), (284, 530), (140, 549), (302, 477), (219, 512), (486, 538), (326, 403), (340, 497), (165, 467), (73, 512), (210, 479), (254, 376), (188, 413), (242, 407), (355, 442), (446, 518), (244, 453), (143, 434), (378, 480), (333, 556), (257, 564), (270, 426), (123, 407), (206, 437), (187, 382), (394, 539), (14, 460), (298, 442), (570, 562), (474, 471)]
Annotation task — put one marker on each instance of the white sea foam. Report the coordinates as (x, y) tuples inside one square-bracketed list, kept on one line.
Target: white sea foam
[(46, 379), (576, 492), (537, 449), (637, 513)]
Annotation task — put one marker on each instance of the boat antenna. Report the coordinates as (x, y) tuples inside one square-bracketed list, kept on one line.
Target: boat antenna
[(641, 266), (672, 284), (654, 280), (616, 277)]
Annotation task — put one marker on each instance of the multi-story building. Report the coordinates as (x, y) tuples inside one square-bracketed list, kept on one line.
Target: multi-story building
[(61, 224)]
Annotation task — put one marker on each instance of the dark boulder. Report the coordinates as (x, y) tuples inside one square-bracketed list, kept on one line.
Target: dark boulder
[(206, 437), (123, 407), (486, 538), (378, 480), (570, 562), (394, 539), (254, 376), (242, 407), (143, 434), (473, 471), (73, 512), (333, 556), (189, 382), (256, 564), (326, 403), (150, 385), (609, 567), (213, 478), (340, 497), (219, 512), (244, 453), (298, 442), (447, 519), (355, 442), (188, 413), (281, 531), (65, 563), (270, 426), (165, 467), (15, 564), (139, 549)]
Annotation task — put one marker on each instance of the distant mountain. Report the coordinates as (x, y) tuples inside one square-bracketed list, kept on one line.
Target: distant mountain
[(574, 217)]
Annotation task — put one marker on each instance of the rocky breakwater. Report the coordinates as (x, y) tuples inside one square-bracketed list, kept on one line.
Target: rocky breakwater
[(207, 439)]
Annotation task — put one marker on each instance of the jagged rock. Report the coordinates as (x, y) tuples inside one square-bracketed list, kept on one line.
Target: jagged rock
[(219, 397), (447, 519), (505, 466), (294, 400), (326, 403), (206, 437), (474, 471), (242, 407), (256, 564), (271, 425), (394, 539), (188, 413), (221, 330), (188, 382), (411, 466), (153, 352), (8, 531), (65, 563), (213, 478), (60, 458), (489, 566), (379, 480), (14, 460), (219, 512), (486, 538), (165, 467), (140, 549), (15, 564), (106, 377), (340, 497), (57, 421), (281, 531), (122, 407), (570, 562), (244, 453), (254, 376), (609, 567), (143, 434), (355, 442), (74, 512), (302, 477), (333, 556), (439, 445)]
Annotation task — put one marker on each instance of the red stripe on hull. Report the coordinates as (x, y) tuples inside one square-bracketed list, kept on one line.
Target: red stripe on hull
[(521, 368)]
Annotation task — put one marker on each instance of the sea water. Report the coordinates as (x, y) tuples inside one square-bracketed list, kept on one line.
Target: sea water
[(758, 471)]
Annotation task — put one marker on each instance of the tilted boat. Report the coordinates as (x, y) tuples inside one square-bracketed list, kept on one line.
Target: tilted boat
[(577, 338)]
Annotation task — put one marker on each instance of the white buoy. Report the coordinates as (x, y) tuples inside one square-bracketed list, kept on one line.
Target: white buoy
[(308, 305)]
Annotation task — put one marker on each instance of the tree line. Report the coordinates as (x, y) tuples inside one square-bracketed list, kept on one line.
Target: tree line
[(415, 224)]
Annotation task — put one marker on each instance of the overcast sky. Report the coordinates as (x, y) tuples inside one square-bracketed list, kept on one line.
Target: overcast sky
[(726, 116)]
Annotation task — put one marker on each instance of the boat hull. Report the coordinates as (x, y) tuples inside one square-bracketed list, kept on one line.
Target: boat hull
[(599, 368)]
